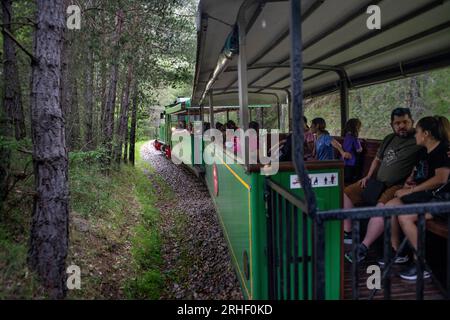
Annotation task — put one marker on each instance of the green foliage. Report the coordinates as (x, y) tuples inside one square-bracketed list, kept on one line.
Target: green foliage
[(373, 105), (87, 157)]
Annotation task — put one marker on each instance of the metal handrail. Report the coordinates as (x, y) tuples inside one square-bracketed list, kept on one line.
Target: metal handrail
[(277, 193)]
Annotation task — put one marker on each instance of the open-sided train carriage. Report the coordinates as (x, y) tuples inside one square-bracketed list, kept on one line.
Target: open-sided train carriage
[(286, 240)]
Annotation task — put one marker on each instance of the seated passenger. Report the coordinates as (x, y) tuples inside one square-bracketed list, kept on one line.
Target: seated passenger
[(231, 125), (308, 147), (389, 170), (219, 126), (253, 143), (432, 172), (352, 145), (323, 149)]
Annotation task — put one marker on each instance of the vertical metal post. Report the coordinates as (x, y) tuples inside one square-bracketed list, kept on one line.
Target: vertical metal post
[(228, 115), (276, 250), (305, 260), (387, 258), (296, 256), (243, 82), (289, 109), (448, 258), (280, 242), (287, 209), (278, 116), (319, 259), (211, 110), (270, 259), (262, 117), (296, 62), (420, 255), (344, 101), (355, 262), (202, 117)]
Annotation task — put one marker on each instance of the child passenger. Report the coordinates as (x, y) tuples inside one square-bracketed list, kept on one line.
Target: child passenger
[(352, 145), (324, 142)]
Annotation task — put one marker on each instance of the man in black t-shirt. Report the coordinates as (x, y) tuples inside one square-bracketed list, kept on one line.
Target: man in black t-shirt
[(431, 172)]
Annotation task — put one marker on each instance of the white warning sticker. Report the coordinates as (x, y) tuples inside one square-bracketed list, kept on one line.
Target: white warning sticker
[(318, 180)]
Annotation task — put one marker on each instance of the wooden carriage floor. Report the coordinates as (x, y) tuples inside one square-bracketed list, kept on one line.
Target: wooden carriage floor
[(400, 289)]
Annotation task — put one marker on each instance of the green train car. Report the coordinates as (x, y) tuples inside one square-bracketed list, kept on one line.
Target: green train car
[(284, 231)]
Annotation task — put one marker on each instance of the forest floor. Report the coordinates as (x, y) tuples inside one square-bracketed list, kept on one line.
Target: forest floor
[(134, 234), (197, 262)]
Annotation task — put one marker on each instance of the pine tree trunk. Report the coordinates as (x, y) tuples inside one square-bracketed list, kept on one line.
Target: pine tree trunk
[(125, 148), (133, 123), (89, 99), (66, 87), (50, 217), (111, 100), (123, 114), (75, 135), (12, 99)]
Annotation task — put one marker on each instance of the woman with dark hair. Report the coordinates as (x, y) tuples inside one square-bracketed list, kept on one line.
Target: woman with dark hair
[(431, 173), (324, 142), (352, 145)]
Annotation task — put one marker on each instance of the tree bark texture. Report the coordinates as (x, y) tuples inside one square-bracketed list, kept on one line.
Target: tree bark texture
[(12, 100), (111, 98), (123, 114), (50, 217), (133, 123)]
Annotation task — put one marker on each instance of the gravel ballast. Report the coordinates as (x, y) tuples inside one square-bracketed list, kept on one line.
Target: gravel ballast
[(209, 273)]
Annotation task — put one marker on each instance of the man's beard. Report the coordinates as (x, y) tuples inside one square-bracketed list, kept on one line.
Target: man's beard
[(405, 133)]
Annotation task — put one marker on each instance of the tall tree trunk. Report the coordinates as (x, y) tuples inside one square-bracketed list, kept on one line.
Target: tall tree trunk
[(75, 135), (133, 123), (111, 100), (125, 148), (5, 155), (89, 99), (103, 96), (66, 87), (414, 99), (50, 218), (123, 114), (12, 99)]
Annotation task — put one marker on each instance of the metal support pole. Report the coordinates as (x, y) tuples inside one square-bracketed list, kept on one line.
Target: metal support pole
[(420, 263), (295, 28), (344, 101), (211, 110), (262, 117), (202, 113), (279, 114), (243, 82), (355, 262), (289, 109), (387, 258)]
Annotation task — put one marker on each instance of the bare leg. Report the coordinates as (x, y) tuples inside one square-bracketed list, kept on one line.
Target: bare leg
[(375, 228), (395, 235), (347, 205), (395, 227), (408, 225)]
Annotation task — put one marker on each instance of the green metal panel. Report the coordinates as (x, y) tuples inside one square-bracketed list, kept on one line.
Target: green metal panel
[(233, 204), (162, 131), (241, 210), (327, 198), (174, 109)]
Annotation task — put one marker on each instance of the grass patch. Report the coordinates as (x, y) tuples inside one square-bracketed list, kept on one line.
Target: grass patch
[(146, 249), (119, 255)]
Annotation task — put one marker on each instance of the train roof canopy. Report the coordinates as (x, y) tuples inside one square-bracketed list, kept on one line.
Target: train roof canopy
[(414, 37)]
